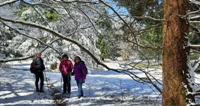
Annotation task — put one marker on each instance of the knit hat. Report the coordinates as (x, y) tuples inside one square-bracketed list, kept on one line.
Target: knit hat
[(65, 56)]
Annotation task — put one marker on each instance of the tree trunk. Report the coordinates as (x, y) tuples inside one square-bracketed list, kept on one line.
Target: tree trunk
[(175, 52)]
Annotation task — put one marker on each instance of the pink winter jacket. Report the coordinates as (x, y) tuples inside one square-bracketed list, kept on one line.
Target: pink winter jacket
[(66, 66)]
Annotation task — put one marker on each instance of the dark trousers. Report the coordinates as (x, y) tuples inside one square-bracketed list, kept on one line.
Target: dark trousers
[(66, 83), (39, 76)]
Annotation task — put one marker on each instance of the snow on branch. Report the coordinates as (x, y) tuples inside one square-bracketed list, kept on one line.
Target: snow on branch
[(68, 11), (193, 12), (195, 17), (195, 2), (194, 22), (195, 67), (28, 57), (31, 3), (77, 1), (89, 19), (60, 36), (8, 2), (31, 37), (33, 6), (194, 46), (16, 59)]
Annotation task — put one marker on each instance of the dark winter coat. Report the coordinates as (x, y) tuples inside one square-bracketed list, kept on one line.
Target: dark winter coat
[(38, 64), (80, 71)]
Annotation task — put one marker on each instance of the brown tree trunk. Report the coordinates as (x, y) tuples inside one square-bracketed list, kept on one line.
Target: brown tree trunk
[(175, 53)]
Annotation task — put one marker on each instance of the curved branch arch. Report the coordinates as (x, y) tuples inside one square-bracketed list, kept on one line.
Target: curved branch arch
[(60, 36)]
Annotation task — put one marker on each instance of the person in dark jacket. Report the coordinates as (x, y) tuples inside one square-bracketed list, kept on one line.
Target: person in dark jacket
[(39, 68), (80, 71), (65, 68)]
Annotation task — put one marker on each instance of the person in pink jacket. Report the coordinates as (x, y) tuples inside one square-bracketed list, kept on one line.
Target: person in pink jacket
[(65, 68), (80, 72)]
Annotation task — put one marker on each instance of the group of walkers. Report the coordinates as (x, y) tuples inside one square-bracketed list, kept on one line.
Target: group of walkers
[(67, 69)]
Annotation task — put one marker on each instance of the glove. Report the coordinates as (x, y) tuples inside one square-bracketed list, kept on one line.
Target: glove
[(83, 81)]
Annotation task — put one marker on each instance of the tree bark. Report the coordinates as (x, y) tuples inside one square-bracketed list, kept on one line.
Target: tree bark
[(175, 53)]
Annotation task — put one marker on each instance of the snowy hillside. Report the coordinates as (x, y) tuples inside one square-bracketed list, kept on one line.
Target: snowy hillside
[(101, 88)]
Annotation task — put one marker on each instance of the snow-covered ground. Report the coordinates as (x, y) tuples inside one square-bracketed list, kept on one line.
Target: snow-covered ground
[(106, 88)]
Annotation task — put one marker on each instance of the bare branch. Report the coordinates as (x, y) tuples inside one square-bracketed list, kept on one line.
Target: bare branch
[(148, 17), (145, 80), (147, 75), (119, 17), (97, 11)]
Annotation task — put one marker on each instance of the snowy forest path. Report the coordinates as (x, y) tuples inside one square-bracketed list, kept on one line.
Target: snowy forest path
[(56, 94)]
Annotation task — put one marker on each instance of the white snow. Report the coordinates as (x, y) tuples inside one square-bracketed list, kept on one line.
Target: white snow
[(106, 88)]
